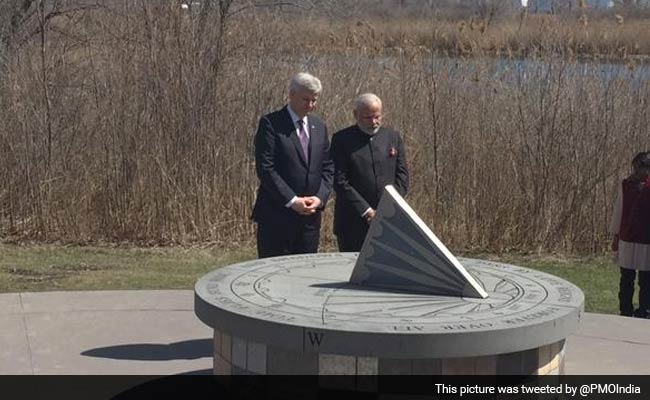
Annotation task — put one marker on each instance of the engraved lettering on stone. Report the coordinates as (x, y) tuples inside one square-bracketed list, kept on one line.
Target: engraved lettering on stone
[(275, 316), (408, 328), (454, 327), (315, 338), (565, 294), (532, 317)]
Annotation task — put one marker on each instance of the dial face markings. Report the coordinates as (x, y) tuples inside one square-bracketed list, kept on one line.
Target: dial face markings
[(313, 291)]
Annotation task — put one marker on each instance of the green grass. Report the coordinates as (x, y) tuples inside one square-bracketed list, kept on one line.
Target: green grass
[(51, 267), (596, 276), (57, 267)]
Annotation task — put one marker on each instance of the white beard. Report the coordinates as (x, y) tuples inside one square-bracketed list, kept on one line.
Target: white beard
[(369, 131)]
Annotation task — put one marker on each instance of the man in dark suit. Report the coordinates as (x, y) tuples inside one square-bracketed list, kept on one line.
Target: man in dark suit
[(367, 157), (295, 171)]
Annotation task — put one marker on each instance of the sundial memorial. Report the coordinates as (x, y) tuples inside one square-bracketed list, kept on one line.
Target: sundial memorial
[(404, 305)]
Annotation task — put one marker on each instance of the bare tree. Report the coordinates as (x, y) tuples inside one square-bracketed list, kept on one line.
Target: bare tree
[(487, 10)]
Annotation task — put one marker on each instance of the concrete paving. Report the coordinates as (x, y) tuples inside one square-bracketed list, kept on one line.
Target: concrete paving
[(157, 333), (103, 332)]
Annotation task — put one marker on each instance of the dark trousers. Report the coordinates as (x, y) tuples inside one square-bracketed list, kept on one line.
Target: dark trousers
[(626, 291), (299, 235), (352, 239)]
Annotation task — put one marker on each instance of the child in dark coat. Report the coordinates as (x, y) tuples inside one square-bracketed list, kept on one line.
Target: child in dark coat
[(630, 226)]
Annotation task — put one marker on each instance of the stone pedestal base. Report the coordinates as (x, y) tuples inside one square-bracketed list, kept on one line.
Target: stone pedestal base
[(300, 315), (237, 356)]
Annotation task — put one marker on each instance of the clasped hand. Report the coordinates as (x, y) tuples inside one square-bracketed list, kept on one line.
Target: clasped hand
[(370, 215), (306, 205)]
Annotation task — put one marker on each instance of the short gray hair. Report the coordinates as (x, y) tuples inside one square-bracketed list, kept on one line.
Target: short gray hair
[(303, 80), (365, 100)]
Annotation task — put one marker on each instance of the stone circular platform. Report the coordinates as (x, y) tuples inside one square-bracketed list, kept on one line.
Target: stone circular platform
[(299, 314)]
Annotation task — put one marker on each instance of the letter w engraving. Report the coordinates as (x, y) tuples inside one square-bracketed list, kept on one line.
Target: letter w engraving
[(315, 338)]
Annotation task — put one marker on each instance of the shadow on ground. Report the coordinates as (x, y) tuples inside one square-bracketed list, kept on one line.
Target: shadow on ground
[(186, 350), (208, 371)]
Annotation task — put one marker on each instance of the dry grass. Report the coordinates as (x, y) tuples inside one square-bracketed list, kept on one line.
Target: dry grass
[(136, 124), (580, 34)]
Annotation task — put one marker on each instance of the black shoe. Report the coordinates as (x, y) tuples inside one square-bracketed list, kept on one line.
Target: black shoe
[(642, 313)]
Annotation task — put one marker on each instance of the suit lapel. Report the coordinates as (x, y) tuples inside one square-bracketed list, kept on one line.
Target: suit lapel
[(291, 126), (293, 136), (313, 136), (298, 146)]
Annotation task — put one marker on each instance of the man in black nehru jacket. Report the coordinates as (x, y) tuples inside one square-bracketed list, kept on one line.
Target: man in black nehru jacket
[(367, 157)]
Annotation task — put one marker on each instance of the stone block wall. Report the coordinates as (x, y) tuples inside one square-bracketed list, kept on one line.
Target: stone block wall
[(235, 355)]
